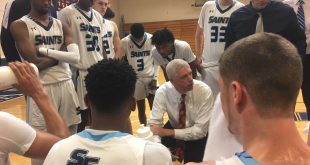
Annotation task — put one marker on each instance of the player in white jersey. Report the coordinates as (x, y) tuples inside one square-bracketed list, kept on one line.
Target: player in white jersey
[(38, 38), (210, 38), (87, 25), (111, 41), (105, 142), (167, 49), (137, 48), (17, 136), (36, 35)]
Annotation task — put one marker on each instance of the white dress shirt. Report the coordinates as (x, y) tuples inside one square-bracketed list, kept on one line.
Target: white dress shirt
[(199, 105), (294, 4)]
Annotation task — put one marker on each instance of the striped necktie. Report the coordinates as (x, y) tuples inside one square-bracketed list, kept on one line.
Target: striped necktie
[(181, 125), (301, 15)]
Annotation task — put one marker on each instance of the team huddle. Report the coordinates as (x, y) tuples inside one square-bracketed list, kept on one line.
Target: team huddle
[(231, 101)]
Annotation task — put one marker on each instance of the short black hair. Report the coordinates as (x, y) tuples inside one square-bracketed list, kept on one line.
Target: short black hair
[(110, 84), (137, 30), (109, 14), (162, 36), (269, 66)]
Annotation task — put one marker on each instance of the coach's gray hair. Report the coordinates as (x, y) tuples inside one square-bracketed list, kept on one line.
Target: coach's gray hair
[(173, 66)]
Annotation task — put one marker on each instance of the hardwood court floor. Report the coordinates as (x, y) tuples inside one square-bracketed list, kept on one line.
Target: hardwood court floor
[(17, 107)]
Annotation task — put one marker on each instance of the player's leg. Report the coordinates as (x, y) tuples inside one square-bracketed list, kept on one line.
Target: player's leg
[(69, 104), (141, 111), (209, 76), (140, 95), (81, 92)]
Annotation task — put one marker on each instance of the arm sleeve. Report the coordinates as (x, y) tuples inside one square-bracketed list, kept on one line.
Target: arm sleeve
[(16, 136), (156, 154), (159, 108), (72, 56), (204, 106)]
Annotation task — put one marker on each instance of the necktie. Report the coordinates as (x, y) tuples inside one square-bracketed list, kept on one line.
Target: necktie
[(181, 125), (301, 15), (259, 24)]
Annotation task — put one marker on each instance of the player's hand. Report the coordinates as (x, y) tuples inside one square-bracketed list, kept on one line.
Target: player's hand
[(152, 85), (28, 81)]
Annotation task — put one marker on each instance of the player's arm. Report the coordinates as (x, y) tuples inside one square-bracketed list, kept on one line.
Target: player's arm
[(27, 50), (199, 41), (193, 68), (72, 55), (29, 84), (308, 136), (116, 42)]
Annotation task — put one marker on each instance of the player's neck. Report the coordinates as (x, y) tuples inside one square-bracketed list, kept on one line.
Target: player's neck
[(225, 2), (83, 7), (43, 18), (272, 139), (108, 123)]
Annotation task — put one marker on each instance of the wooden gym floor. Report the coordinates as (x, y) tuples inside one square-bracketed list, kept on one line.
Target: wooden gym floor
[(17, 107)]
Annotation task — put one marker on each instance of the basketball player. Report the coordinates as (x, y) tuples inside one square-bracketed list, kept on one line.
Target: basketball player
[(39, 38), (167, 48), (14, 10), (210, 38), (87, 25), (258, 109), (137, 48), (105, 142), (17, 136), (111, 41)]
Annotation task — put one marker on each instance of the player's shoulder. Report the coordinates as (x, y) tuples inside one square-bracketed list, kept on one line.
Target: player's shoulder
[(181, 44), (126, 39), (97, 14), (208, 4), (238, 4), (68, 9), (148, 35), (157, 153)]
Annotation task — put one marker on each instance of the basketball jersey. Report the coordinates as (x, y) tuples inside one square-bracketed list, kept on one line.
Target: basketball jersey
[(182, 50), (242, 158), (87, 33), (50, 36), (98, 147), (108, 44), (139, 55), (214, 21)]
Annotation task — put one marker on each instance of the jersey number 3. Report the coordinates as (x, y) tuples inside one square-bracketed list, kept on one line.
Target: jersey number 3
[(218, 33), (140, 64)]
